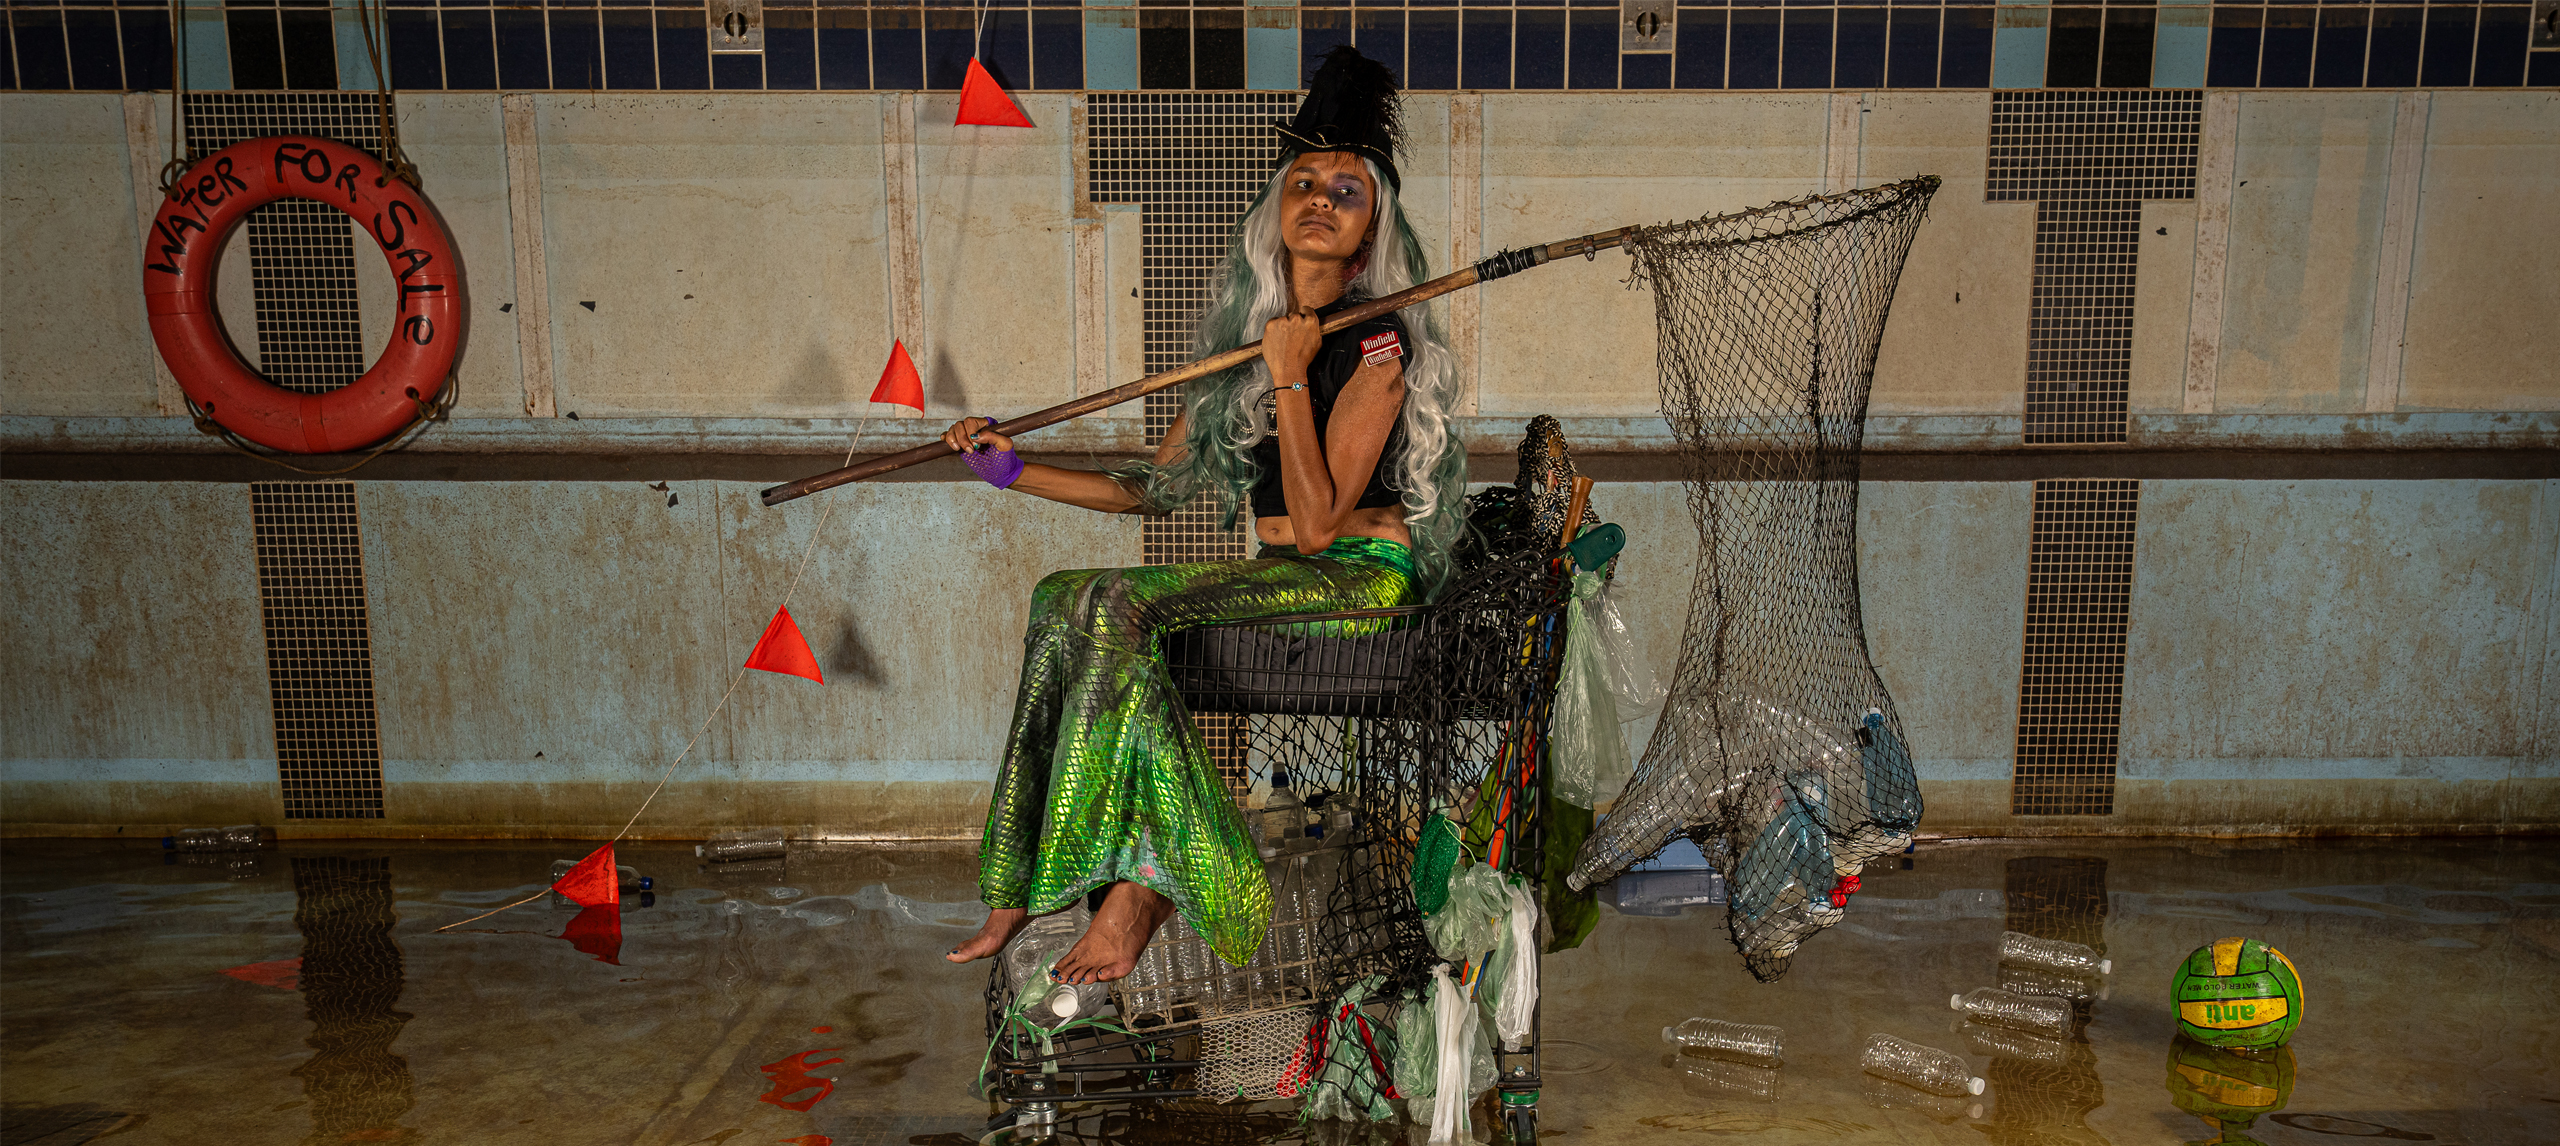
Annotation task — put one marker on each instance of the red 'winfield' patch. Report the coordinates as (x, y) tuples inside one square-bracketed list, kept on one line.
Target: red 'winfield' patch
[(1383, 346)]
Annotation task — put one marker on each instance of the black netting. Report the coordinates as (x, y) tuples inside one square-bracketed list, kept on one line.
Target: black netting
[(1778, 749)]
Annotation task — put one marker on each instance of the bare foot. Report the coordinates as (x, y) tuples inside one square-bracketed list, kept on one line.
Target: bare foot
[(1110, 948), (1002, 923)]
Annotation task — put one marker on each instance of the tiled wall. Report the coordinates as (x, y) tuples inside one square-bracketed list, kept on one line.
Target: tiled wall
[(1528, 45)]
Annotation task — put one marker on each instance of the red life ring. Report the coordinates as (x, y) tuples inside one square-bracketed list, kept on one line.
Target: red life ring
[(185, 245)]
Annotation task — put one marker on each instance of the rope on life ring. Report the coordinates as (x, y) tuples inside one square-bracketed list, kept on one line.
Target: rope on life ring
[(184, 248)]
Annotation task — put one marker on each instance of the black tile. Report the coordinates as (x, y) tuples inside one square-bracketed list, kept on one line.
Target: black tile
[(145, 32), (735, 71), (1379, 34), (844, 49), (2071, 48), (2339, 62), (791, 49), (1164, 49), (1320, 31), (413, 49), (41, 56), (1701, 63), (1485, 54), (310, 49), (577, 52), (1431, 50), (2543, 70), (1752, 62), (2504, 31), (1217, 49), (1591, 55), (949, 41), (684, 50), (1537, 59), (1005, 49), (1808, 49), (1964, 55), (257, 55), (1913, 47), (1861, 48), (2393, 62), (630, 49), (2448, 47), (897, 49), (2232, 59), (1057, 50), (470, 59), (1645, 70), (524, 58), (2124, 61), (2286, 61)]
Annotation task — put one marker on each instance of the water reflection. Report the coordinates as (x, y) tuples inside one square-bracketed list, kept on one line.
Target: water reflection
[(352, 975), (2044, 1088), (2229, 1089), (1886, 1094), (1707, 1076)]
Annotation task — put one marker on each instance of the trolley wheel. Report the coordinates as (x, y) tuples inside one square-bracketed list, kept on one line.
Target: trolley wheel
[(1522, 1122)]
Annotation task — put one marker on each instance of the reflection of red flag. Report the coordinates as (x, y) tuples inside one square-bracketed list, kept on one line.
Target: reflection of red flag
[(983, 101), (791, 1076), (597, 931), (899, 384), (592, 881), (782, 650), (281, 974)]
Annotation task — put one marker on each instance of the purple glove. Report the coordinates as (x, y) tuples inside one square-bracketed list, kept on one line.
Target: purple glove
[(998, 467)]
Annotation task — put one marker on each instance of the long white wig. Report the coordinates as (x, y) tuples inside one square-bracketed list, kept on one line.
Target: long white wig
[(1225, 412)]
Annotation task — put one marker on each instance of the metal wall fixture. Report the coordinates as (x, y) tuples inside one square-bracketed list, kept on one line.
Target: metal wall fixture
[(2071, 678), (1648, 26), (311, 598), (737, 27)]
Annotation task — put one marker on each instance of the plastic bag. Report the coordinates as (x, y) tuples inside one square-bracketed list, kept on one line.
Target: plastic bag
[(1588, 753), (1515, 1000), (1631, 681), (1463, 1066), (1416, 1065), (1470, 923)]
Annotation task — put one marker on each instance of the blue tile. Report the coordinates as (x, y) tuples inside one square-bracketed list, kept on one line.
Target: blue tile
[(1271, 49), (1537, 59), (948, 45), (207, 44), (1431, 50), (844, 49), (414, 49), (791, 49), (1004, 49), (1964, 52), (1808, 49), (1645, 70), (1379, 34), (1912, 49), (2285, 61), (2397, 33), (1110, 50), (2450, 32), (1484, 61), (2504, 31), (355, 57), (524, 60), (630, 49), (1752, 61), (577, 50), (1701, 62), (2237, 35), (1591, 56), (897, 49), (735, 71), (2182, 46), (684, 50), (1057, 50), (2017, 47), (1860, 49), (470, 58)]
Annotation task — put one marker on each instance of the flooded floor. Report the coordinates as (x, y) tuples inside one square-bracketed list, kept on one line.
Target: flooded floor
[(301, 995)]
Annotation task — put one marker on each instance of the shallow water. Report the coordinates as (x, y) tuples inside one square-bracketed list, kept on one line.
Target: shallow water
[(301, 995)]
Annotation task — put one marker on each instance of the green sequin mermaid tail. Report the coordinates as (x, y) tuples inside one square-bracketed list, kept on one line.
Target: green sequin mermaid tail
[(1104, 778)]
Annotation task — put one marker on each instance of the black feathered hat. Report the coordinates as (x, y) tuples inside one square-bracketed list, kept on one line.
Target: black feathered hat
[(1350, 106)]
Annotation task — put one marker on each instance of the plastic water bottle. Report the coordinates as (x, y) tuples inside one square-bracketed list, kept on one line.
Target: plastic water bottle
[(2052, 955), (1893, 786), (1781, 883), (236, 838), (625, 875), (2046, 984), (1913, 1065), (1283, 818), (2049, 1017), (729, 847), (1726, 1040), (1043, 940)]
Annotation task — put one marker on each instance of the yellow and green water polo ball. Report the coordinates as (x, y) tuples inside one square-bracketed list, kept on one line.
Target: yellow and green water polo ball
[(2237, 993)]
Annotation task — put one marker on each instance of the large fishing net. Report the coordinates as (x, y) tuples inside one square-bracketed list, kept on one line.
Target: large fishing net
[(1778, 750)]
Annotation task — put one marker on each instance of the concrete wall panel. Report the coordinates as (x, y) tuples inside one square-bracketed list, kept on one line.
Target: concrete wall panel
[(2306, 230), (995, 205), (1942, 571), (459, 143), (2163, 293), (77, 340), (1570, 338), (2484, 281), (1957, 338), (731, 246)]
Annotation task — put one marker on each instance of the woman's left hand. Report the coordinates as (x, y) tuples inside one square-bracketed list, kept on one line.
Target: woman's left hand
[(1289, 343)]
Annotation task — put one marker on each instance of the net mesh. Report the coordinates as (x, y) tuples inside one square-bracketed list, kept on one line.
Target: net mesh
[(1778, 749)]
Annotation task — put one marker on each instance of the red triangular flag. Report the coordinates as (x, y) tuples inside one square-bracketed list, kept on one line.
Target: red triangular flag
[(899, 384), (983, 101), (781, 649), (597, 931), (592, 880)]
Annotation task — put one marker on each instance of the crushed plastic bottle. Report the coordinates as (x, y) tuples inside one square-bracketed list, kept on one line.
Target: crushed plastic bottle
[(2052, 955), (1893, 786), (729, 847), (1740, 1041), (236, 838), (628, 877), (1038, 946), (2048, 1017), (1913, 1065), (1781, 888)]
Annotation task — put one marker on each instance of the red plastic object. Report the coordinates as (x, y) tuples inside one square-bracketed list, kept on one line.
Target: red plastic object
[(899, 384), (182, 252), (1841, 891), (781, 649), (985, 103), (592, 880)]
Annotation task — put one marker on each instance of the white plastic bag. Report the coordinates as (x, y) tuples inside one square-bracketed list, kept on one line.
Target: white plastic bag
[(1516, 1004), (1631, 681), (1590, 754)]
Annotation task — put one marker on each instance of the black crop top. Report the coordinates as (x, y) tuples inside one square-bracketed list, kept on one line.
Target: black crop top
[(1334, 364)]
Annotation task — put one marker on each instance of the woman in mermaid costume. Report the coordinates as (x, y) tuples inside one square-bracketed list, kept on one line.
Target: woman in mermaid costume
[(1342, 449)]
